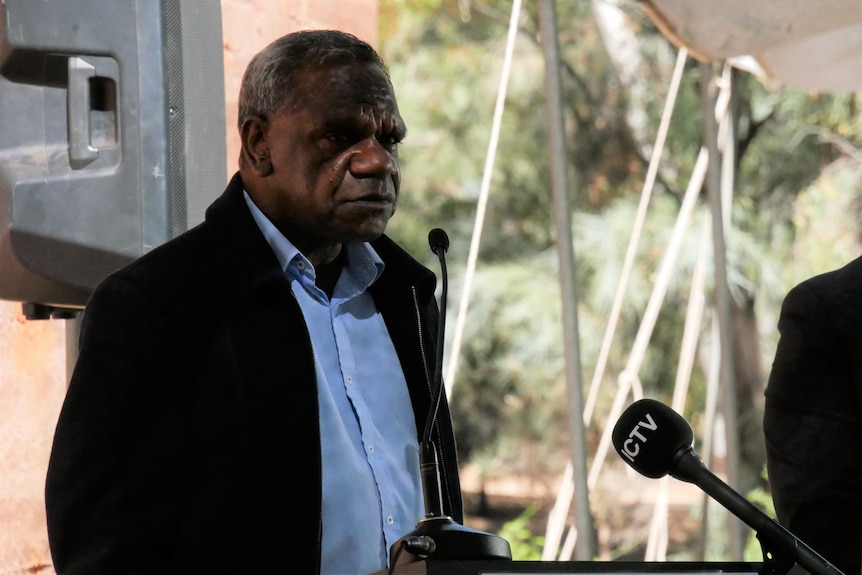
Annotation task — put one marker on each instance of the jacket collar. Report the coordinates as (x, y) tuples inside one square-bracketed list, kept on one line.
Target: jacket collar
[(250, 262)]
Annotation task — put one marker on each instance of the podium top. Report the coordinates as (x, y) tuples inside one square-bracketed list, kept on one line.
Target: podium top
[(502, 567)]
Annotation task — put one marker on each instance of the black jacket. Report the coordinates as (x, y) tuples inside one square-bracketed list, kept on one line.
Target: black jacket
[(813, 416), (188, 441)]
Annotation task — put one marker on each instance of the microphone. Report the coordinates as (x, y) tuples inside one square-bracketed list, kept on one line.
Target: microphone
[(438, 240), (449, 539), (656, 441), (429, 466)]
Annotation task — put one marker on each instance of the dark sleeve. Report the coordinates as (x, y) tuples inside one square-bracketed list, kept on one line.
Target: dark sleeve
[(118, 461), (812, 428)]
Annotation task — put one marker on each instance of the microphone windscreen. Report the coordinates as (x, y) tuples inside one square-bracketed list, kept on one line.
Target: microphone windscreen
[(438, 239), (649, 435)]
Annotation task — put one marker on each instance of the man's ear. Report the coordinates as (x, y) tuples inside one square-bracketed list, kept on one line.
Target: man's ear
[(255, 150)]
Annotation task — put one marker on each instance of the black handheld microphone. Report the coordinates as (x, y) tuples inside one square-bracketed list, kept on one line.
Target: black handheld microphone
[(656, 441), (450, 539)]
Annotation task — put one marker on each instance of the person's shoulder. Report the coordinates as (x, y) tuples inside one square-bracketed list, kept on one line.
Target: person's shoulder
[(394, 255), (192, 251), (837, 290), (848, 276), (401, 266), (182, 250), (851, 271), (169, 272)]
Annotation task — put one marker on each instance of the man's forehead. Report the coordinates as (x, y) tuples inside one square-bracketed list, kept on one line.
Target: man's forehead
[(357, 76), (348, 92)]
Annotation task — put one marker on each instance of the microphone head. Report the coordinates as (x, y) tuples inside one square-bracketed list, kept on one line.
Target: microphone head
[(650, 436), (438, 239)]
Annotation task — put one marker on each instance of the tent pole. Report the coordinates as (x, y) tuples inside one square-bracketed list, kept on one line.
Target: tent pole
[(727, 391), (584, 548)]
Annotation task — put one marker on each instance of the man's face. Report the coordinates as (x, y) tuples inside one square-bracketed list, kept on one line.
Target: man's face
[(335, 175)]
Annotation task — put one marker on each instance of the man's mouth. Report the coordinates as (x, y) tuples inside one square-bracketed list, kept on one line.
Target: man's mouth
[(373, 201)]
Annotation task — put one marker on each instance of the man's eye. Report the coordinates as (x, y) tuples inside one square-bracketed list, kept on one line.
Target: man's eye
[(389, 141)]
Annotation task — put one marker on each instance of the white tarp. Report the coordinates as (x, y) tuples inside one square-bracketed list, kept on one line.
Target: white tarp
[(809, 44)]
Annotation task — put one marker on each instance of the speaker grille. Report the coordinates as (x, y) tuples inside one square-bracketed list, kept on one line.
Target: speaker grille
[(177, 102), (202, 113)]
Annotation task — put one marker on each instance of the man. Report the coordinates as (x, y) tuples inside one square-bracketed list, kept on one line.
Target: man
[(248, 397), (812, 420)]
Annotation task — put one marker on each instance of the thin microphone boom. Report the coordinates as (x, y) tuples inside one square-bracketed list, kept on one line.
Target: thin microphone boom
[(439, 242), (450, 539), (656, 441), (429, 466)]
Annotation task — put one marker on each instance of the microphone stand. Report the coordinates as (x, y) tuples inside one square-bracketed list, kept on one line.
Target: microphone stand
[(656, 441), (781, 548), (452, 540)]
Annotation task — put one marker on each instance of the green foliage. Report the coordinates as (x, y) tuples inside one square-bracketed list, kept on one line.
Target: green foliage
[(796, 198), (515, 323), (525, 545)]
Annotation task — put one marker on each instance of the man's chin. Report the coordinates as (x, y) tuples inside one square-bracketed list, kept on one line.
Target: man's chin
[(359, 236), (370, 230)]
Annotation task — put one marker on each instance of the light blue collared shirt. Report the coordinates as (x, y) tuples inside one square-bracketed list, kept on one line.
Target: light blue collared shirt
[(372, 490)]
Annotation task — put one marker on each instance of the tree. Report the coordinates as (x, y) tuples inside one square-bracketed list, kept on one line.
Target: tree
[(793, 148)]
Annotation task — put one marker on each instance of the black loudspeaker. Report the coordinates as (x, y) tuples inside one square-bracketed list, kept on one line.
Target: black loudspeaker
[(112, 137)]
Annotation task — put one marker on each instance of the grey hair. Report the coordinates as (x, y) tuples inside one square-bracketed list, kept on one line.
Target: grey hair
[(269, 81)]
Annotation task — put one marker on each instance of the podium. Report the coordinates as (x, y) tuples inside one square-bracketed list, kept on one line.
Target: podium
[(502, 567)]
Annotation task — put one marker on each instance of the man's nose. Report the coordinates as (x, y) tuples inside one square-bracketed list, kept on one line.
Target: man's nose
[(372, 159)]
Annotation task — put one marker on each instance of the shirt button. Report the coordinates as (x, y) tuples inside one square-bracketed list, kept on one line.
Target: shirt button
[(349, 379), (389, 520), (370, 449)]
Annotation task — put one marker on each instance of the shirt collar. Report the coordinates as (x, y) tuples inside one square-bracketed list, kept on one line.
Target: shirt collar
[(364, 265)]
